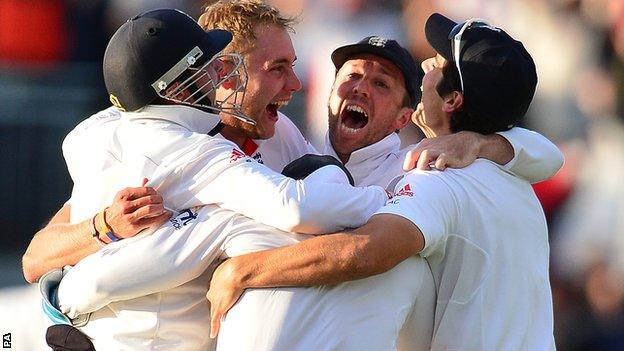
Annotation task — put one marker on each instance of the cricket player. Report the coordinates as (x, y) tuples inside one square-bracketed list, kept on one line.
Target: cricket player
[(481, 230), (165, 144), (388, 298), (269, 55), (185, 215)]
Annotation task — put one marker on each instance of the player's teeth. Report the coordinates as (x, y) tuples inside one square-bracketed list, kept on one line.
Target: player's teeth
[(357, 109), (349, 129)]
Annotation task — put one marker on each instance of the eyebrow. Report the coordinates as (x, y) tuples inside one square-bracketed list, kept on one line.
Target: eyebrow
[(282, 61), (385, 71)]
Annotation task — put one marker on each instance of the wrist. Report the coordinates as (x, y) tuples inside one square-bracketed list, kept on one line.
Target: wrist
[(105, 232), (240, 272), (497, 148), (94, 231)]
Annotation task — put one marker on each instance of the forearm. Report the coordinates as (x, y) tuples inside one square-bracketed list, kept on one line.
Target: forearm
[(55, 246), (322, 260), (148, 263), (496, 148), (330, 259)]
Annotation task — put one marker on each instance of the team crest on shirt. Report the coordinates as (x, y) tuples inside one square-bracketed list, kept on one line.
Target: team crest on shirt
[(405, 191), (183, 218), (258, 157)]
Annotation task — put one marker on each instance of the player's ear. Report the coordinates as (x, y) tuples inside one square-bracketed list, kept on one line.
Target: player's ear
[(224, 69), (403, 117), (452, 102)]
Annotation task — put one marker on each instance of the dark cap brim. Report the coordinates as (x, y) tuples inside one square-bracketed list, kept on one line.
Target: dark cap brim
[(218, 39), (437, 31)]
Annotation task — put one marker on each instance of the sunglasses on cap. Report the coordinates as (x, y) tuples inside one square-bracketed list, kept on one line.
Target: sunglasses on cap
[(456, 36)]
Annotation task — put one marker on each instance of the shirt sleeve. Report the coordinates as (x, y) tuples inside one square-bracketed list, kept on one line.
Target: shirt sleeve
[(176, 253), (535, 157), (228, 178), (424, 199)]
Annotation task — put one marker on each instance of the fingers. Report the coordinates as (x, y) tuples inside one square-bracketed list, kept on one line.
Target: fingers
[(215, 322), (156, 221), (215, 315), (135, 209), (147, 200), (411, 158), (147, 211), (441, 162), (135, 193), (427, 159), (420, 158)]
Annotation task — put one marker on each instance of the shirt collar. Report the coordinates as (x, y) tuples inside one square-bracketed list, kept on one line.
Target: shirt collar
[(191, 118), (381, 149), (364, 164)]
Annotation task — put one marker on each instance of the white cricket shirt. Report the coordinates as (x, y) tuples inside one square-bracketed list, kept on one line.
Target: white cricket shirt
[(535, 158), (165, 144), (487, 245), (185, 242), (285, 146)]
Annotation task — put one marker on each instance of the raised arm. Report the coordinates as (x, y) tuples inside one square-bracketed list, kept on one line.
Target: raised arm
[(525, 153), (61, 243)]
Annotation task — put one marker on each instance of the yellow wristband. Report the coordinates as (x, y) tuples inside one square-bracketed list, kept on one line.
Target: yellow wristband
[(103, 227)]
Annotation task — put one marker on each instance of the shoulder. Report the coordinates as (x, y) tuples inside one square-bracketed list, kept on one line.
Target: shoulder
[(93, 129), (110, 115), (285, 128)]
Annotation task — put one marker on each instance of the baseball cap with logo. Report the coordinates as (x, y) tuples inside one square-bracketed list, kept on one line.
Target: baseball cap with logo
[(391, 51), (497, 74)]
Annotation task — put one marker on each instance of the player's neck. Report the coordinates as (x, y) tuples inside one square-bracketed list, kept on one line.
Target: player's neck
[(234, 135), (344, 158)]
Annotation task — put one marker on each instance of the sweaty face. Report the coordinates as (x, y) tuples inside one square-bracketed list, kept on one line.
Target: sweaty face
[(271, 82), (366, 103), (429, 113)]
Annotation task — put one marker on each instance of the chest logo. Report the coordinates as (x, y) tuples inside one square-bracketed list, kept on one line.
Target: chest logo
[(405, 191)]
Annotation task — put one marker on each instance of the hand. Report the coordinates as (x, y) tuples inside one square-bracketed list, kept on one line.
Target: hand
[(223, 293), (135, 209), (456, 150)]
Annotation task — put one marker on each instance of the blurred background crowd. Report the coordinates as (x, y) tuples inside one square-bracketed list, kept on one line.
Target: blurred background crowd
[(50, 79)]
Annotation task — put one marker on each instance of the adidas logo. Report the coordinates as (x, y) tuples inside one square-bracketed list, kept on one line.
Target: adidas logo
[(405, 191), (236, 155)]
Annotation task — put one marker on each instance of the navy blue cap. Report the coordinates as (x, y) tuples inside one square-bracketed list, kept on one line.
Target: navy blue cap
[(499, 74), (147, 46), (392, 51)]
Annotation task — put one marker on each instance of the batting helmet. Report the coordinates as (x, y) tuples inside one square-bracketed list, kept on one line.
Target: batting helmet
[(152, 50)]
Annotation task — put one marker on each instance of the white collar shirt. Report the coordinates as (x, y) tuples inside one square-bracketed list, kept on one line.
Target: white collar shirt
[(377, 163)]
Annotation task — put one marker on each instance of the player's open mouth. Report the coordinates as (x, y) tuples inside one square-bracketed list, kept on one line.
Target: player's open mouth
[(353, 118), (274, 106)]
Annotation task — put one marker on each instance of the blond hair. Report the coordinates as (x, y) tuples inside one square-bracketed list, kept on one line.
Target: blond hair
[(240, 17)]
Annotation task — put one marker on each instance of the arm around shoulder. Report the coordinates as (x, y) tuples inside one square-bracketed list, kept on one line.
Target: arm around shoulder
[(535, 157)]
